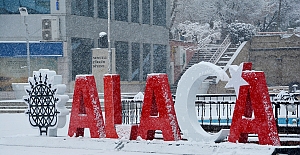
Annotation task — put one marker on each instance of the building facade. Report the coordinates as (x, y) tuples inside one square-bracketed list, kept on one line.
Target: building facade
[(139, 33)]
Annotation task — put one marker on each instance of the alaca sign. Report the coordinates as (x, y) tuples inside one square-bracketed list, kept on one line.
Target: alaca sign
[(252, 114)]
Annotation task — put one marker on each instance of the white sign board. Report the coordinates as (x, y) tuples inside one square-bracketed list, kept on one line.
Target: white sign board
[(99, 66)]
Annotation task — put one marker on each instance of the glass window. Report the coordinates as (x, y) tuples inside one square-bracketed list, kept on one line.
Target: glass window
[(10, 7), (160, 58), (159, 12), (41, 6), (122, 59), (33, 6), (83, 8), (1, 4), (135, 14), (121, 10), (146, 60), (146, 11), (102, 9), (81, 56), (135, 60)]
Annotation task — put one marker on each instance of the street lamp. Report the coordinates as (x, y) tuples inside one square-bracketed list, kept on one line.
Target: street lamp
[(108, 37), (24, 13)]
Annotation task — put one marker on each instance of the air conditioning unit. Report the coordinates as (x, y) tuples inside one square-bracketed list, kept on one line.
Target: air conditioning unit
[(47, 35), (50, 28)]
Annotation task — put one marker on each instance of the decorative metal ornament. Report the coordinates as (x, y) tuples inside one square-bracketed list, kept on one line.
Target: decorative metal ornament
[(42, 104)]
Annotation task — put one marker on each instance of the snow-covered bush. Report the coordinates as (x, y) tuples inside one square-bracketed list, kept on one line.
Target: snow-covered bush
[(240, 32), (196, 32)]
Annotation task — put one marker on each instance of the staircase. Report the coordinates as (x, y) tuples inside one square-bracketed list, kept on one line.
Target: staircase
[(216, 54), (200, 55), (225, 58)]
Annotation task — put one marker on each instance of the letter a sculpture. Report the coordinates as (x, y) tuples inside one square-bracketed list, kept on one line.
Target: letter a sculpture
[(253, 110)]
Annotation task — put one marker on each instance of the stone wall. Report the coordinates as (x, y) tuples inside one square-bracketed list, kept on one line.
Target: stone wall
[(277, 56)]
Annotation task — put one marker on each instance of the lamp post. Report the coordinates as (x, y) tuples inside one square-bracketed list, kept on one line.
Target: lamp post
[(24, 13), (108, 37)]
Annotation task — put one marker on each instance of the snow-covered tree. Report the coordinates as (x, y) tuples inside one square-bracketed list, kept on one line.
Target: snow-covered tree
[(196, 32), (241, 10), (278, 15), (240, 32), (268, 15), (201, 11), (290, 14)]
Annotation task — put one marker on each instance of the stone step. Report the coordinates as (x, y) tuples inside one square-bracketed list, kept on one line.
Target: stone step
[(7, 103), (12, 111), (13, 107), (19, 106), (18, 110), (232, 48), (12, 103), (222, 62)]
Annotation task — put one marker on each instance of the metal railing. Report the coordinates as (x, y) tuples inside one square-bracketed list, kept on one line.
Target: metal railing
[(223, 47), (131, 111), (215, 111)]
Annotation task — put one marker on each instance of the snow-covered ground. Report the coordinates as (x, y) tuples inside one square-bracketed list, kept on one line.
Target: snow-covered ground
[(18, 137)]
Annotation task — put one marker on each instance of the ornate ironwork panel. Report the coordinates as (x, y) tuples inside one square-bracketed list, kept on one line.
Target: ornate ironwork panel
[(42, 104)]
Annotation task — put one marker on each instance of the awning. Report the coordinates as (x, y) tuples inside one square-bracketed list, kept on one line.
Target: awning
[(37, 49)]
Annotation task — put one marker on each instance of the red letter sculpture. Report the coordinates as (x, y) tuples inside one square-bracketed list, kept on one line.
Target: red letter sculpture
[(86, 110), (158, 111), (253, 98), (113, 108), (112, 104)]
